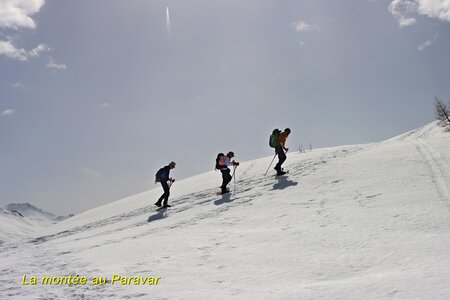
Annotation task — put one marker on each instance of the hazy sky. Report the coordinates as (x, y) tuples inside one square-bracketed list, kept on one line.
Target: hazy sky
[(96, 96)]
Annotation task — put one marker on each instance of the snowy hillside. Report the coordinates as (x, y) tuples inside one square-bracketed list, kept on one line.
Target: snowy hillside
[(31, 212), (13, 226), (18, 220), (354, 222)]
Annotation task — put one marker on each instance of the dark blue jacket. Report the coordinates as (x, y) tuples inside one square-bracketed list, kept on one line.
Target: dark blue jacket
[(163, 174)]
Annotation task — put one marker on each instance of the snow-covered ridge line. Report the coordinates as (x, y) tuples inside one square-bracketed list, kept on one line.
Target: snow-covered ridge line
[(19, 220)]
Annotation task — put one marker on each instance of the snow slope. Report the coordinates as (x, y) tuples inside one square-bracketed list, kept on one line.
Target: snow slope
[(354, 222), (19, 220), (13, 226)]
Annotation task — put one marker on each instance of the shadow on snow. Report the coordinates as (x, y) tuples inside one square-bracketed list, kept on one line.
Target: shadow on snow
[(283, 182), (158, 216), (226, 198)]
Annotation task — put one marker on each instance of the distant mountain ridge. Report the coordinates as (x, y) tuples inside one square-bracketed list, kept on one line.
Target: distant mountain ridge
[(11, 212), (28, 210), (18, 220)]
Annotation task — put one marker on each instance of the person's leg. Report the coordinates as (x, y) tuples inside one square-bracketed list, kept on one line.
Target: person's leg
[(166, 193), (158, 203), (226, 178), (281, 158), (229, 177)]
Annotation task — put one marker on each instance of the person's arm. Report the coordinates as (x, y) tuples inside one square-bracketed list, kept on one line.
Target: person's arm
[(168, 175), (283, 138), (229, 162)]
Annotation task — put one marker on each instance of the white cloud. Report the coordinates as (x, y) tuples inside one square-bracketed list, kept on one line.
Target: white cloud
[(400, 9), (89, 172), (302, 26), (403, 10), (104, 105), (18, 85), (435, 8), (7, 48), (55, 66), (427, 44), (16, 14), (7, 112), (41, 48), (424, 45)]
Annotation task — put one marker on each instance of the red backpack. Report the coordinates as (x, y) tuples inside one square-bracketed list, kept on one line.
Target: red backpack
[(220, 161)]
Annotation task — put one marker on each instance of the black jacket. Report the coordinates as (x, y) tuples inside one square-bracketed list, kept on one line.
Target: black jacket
[(163, 174)]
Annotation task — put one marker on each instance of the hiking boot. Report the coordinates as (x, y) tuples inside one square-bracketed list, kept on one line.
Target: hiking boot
[(224, 190)]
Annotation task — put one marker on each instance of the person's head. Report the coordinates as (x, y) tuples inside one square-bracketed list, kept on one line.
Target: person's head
[(230, 154), (172, 165), (288, 131)]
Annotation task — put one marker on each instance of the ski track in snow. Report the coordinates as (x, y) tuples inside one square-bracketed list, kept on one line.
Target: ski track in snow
[(439, 170)]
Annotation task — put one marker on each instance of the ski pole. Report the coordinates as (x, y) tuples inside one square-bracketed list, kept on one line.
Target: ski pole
[(234, 178), (171, 182), (270, 164)]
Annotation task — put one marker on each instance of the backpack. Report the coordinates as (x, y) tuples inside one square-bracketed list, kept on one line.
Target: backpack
[(273, 139), (158, 175), (220, 161)]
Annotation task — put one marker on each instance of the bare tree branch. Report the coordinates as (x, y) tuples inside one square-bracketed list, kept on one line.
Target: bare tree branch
[(442, 113)]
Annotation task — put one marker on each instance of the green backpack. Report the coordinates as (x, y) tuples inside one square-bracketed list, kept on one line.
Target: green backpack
[(273, 140)]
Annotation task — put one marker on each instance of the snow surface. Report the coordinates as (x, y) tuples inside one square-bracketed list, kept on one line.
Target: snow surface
[(19, 220), (354, 222)]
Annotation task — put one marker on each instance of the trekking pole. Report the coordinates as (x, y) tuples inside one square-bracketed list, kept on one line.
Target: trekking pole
[(270, 164), (234, 178)]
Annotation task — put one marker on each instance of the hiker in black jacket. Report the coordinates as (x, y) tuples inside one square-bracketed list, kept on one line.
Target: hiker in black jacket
[(162, 176)]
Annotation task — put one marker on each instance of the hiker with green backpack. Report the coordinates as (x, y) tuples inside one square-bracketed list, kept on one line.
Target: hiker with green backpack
[(278, 140)]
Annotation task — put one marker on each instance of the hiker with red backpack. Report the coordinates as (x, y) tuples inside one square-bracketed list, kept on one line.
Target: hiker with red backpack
[(222, 163), (162, 176), (278, 140)]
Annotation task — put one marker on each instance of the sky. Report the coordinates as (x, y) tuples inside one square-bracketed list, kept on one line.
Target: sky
[(96, 96)]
